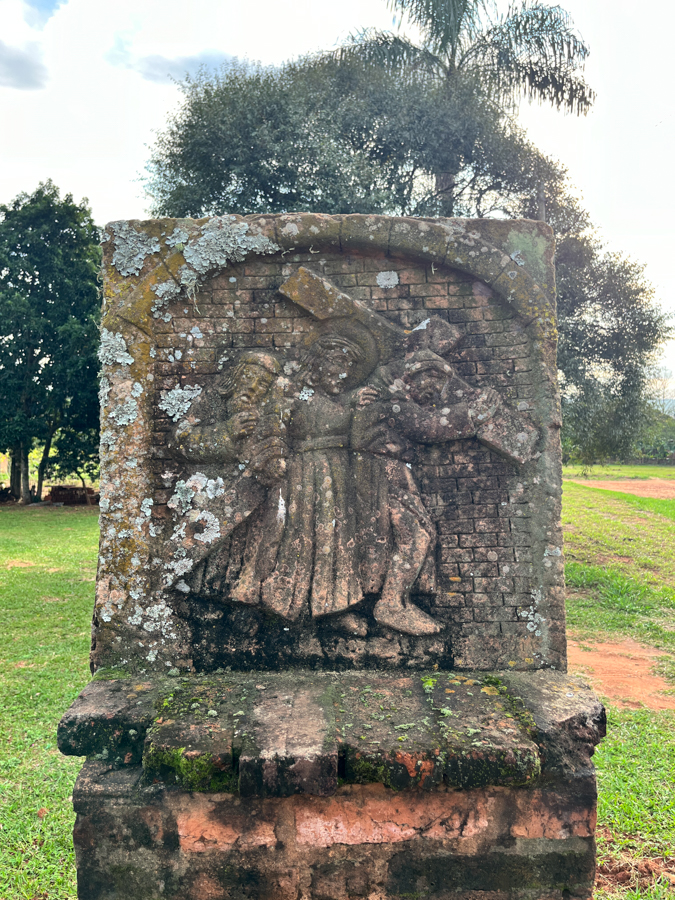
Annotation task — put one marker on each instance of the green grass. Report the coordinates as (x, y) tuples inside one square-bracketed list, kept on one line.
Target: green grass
[(606, 602), (621, 567), (45, 611), (604, 528), (636, 794), (620, 570), (612, 472), (636, 779), (664, 508)]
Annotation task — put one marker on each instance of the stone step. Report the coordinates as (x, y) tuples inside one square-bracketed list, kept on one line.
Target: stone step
[(277, 734)]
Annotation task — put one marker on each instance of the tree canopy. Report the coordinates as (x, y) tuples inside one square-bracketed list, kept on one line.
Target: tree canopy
[(611, 328), (49, 309), (384, 125), (329, 137), (532, 50)]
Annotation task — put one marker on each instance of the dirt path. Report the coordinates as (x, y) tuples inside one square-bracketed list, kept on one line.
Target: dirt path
[(658, 488), (622, 672)]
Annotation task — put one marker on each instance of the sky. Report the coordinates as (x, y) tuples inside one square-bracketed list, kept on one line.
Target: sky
[(85, 85)]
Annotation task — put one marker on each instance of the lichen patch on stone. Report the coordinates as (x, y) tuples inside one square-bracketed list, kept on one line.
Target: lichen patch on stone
[(387, 279), (211, 531), (182, 498), (131, 248), (124, 413), (178, 236), (113, 349), (223, 242), (176, 402), (166, 291)]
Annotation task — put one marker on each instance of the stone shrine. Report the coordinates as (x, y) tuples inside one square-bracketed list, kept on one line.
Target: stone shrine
[(328, 644)]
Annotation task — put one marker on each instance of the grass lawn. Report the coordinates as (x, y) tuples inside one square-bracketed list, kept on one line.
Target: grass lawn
[(621, 566), (620, 569), (47, 572)]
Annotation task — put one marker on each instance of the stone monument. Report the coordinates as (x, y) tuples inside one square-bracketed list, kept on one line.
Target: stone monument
[(328, 645)]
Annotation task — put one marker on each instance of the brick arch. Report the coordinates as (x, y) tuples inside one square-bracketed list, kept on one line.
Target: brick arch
[(466, 245), (462, 244)]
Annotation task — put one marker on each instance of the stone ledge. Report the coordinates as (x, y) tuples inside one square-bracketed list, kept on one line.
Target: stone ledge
[(266, 734)]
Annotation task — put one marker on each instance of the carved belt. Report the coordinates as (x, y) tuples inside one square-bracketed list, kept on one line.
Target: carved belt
[(329, 442)]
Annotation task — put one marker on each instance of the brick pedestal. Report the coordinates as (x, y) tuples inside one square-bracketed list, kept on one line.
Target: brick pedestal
[(325, 802)]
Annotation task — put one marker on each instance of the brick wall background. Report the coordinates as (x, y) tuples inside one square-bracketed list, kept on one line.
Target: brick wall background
[(481, 504)]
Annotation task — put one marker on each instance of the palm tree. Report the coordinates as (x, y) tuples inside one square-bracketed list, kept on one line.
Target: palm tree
[(532, 51)]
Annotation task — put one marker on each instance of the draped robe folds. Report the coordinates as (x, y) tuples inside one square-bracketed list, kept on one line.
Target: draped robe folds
[(223, 490), (347, 516), (396, 536), (301, 545)]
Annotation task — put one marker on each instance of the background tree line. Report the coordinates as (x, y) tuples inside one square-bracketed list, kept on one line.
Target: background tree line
[(49, 311), (381, 125)]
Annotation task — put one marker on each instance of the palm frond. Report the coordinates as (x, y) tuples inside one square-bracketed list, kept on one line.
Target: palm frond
[(445, 22), (388, 51), (533, 51)]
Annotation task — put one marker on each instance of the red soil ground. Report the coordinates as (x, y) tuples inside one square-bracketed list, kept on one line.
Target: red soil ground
[(658, 488), (622, 672)]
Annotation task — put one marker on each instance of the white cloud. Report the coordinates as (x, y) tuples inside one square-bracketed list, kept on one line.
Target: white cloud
[(163, 69), (90, 128), (22, 69), (37, 12)]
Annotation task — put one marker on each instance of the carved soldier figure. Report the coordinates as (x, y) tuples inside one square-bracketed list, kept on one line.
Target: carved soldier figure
[(253, 427), (238, 455), (396, 534)]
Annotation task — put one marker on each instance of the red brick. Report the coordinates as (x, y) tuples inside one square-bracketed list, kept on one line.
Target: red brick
[(478, 540), (493, 585), (478, 569)]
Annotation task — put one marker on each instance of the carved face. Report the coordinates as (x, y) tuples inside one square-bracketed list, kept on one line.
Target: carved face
[(330, 364), (252, 383), (427, 386)]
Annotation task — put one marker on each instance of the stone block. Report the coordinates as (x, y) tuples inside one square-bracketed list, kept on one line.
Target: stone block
[(491, 789), (328, 639)]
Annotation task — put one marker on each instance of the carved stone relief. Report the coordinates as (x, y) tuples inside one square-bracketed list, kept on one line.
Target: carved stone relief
[(297, 493)]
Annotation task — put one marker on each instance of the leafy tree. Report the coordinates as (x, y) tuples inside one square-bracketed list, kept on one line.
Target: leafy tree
[(75, 453), (336, 138), (247, 140), (658, 441), (531, 51), (662, 390), (49, 307), (384, 125), (610, 330)]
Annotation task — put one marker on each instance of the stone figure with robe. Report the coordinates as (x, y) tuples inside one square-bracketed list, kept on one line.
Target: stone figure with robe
[(316, 505)]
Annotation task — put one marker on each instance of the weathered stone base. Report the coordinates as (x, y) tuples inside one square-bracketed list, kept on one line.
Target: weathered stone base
[(136, 842), (316, 786)]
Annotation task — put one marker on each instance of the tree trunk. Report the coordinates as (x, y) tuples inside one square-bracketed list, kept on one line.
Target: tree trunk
[(84, 488), (541, 202), (25, 480), (43, 465), (445, 187), (15, 473)]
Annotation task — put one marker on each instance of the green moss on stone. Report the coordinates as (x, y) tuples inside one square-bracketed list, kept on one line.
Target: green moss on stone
[(196, 774), (366, 771)]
